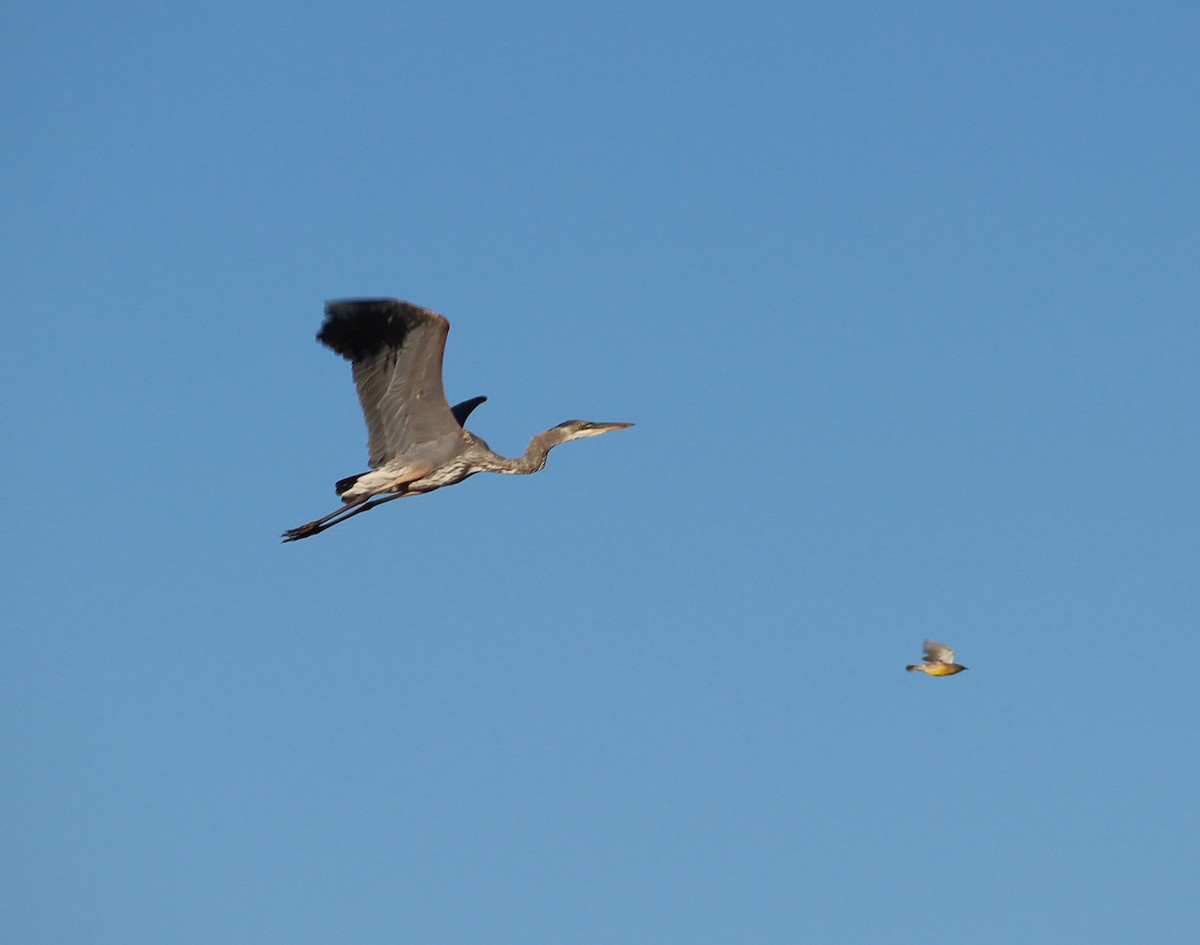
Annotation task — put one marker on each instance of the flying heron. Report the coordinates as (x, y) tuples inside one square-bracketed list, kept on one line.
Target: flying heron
[(415, 439)]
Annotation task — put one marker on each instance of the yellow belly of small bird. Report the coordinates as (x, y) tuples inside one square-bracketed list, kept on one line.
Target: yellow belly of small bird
[(941, 669)]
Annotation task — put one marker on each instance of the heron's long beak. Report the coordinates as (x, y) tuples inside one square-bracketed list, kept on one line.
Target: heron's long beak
[(595, 429)]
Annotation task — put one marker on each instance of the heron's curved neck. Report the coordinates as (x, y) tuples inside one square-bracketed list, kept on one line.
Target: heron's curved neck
[(534, 459)]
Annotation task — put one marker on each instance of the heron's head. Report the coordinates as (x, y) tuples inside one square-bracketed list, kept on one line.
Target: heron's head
[(579, 429)]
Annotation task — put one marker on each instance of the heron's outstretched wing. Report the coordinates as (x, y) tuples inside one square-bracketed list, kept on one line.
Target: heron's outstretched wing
[(396, 351), (938, 652)]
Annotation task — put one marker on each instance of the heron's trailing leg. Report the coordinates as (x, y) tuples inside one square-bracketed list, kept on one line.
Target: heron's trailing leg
[(335, 518), (312, 528)]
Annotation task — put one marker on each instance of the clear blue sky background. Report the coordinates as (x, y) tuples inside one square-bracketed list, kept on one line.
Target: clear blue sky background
[(903, 300)]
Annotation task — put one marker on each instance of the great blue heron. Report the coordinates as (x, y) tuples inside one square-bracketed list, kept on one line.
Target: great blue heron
[(416, 441)]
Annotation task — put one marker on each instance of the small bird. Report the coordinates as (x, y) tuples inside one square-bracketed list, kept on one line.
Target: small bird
[(939, 661)]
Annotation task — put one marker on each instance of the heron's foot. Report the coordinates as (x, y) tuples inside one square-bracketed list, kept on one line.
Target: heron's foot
[(302, 531)]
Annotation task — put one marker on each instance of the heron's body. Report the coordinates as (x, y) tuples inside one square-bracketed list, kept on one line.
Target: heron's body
[(396, 479), (416, 441), (465, 461), (939, 661)]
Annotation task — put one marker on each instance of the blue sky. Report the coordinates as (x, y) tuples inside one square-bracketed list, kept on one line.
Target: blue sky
[(903, 301)]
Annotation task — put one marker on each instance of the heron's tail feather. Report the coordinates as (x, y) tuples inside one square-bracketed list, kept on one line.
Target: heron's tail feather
[(345, 485)]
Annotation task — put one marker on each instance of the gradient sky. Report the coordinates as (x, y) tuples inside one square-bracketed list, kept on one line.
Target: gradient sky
[(903, 299)]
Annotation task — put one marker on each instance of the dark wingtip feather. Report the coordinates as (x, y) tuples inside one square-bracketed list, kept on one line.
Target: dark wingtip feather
[(463, 410), (342, 486), (359, 328)]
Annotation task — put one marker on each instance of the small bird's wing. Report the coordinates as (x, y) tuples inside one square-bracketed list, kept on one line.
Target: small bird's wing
[(396, 351), (938, 652)]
